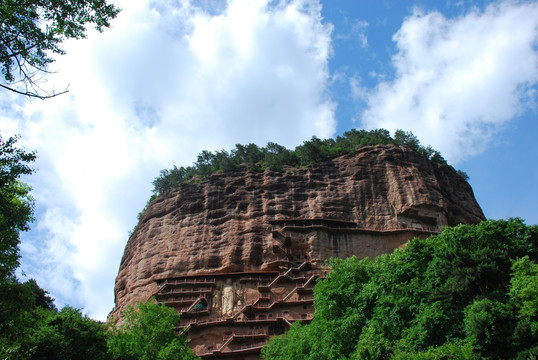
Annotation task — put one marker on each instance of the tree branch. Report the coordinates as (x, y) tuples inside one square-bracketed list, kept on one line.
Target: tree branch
[(32, 94)]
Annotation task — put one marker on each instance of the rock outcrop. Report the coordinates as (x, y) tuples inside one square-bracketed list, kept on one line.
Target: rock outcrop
[(268, 222)]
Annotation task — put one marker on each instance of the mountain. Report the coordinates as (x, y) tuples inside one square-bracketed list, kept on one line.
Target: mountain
[(238, 253)]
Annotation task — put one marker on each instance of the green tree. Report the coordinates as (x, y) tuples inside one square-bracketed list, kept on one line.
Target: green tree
[(296, 344), (67, 335), (248, 154), (170, 179), (30, 325), (22, 306), (447, 351), (427, 151), (36, 331), (489, 325), (377, 136), (16, 204), (204, 162), (311, 151), (524, 296), (149, 333), (467, 293), (407, 139), (224, 162), (275, 156), (32, 30), (524, 290)]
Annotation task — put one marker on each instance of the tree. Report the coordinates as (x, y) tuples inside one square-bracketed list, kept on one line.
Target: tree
[(488, 325), (524, 295), (67, 335), (22, 305), (149, 333), (275, 156), (32, 30), (30, 325), (467, 293), (311, 151), (170, 179), (17, 301), (248, 154), (223, 162), (16, 204), (406, 138), (35, 330), (204, 162)]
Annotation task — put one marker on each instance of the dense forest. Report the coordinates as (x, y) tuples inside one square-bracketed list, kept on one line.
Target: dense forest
[(470, 292), (274, 156)]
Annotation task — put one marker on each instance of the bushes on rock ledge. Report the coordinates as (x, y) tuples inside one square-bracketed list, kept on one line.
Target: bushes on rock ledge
[(275, 156)]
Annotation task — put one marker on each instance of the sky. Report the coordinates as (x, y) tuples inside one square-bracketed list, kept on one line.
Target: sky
[(171, 78)]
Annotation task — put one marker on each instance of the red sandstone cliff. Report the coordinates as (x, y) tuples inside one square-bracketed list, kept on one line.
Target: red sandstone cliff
[(223, 224)]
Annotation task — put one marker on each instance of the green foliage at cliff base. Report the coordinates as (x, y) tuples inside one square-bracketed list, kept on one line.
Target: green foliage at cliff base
[(31, 328), (469, 293), (149, 332)]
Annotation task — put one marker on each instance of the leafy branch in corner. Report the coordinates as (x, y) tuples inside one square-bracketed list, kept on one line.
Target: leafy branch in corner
[(31, 31)]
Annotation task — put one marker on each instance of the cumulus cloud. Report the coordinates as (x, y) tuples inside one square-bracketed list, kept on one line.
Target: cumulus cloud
[(169, 79), (459, 80)]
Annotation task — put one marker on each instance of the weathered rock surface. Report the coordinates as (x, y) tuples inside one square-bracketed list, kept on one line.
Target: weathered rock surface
[(223, 224)]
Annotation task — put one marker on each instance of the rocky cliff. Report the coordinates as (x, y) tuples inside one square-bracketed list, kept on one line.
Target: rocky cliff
[(364, 204)]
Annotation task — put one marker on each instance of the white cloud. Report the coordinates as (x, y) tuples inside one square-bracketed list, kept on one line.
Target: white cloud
[(359, 32), (168, 80), (459, 80), (358, 92)]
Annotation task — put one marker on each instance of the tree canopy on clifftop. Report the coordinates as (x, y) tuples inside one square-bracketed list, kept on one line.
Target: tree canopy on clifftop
[(275, 156)]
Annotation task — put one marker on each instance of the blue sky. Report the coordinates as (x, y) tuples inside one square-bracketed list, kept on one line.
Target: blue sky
[(503, 174), (172, 78)]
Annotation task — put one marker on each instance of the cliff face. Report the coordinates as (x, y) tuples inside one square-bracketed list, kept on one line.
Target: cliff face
[(238, 254), (244, 221)]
